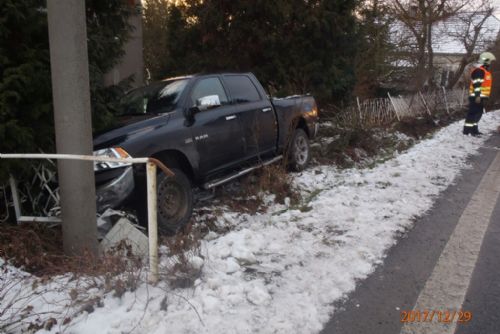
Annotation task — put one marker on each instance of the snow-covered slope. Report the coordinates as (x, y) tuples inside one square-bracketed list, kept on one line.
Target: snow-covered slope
[(280, 272)]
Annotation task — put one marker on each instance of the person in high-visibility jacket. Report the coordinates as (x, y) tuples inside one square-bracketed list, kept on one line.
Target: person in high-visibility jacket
[(479, 92)]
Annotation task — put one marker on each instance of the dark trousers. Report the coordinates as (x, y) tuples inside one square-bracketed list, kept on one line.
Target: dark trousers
[(473, 116)]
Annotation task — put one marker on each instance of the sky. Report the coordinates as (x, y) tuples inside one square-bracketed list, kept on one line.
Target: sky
[(279, 271), (496, 3)]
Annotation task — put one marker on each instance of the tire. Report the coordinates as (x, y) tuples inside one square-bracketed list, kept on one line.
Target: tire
[(299, 152), (175, 202)]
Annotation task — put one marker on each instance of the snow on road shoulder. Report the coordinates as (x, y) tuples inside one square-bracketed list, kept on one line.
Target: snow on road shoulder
[(280, 272)]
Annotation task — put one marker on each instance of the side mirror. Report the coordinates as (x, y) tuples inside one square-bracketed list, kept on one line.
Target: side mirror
[(207, 102)]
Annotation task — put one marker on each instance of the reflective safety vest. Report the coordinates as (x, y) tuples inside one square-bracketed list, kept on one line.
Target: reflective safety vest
[(485, 81)]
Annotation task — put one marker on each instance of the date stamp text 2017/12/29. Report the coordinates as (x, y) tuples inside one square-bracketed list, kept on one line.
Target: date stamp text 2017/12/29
[(434, 315)]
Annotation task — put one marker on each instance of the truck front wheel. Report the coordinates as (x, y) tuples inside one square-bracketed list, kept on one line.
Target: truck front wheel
[(299, 152), (175, 202)]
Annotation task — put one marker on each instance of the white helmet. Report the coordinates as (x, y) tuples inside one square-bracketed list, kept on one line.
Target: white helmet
[(486, 58)]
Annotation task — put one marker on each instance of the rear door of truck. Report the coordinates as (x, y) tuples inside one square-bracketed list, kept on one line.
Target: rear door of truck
[(256, 113)]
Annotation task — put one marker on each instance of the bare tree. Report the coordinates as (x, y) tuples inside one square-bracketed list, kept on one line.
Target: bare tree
[(471, 31), (418, 18)]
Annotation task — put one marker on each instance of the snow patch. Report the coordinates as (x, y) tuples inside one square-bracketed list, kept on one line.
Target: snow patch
[(282, 270)]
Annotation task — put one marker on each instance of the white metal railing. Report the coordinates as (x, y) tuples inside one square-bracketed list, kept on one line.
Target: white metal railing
[(151, 165)]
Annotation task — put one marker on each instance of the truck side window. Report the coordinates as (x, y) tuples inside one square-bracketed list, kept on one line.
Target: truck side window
[(241, 89), (208, 87)]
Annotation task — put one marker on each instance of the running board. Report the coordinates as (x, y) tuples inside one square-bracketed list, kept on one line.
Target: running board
[(218, 182)]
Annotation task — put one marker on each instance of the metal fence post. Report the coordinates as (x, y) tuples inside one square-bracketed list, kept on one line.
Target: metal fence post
[(152, 222)]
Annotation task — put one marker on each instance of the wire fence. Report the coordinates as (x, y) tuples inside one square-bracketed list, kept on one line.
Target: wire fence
[(41, 191), (36, 191)]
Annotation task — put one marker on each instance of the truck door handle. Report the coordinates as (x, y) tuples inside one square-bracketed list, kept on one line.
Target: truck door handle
[(228, 118), (266, 109)]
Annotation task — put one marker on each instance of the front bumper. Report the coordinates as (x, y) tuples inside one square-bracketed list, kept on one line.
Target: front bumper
[(116, 191)]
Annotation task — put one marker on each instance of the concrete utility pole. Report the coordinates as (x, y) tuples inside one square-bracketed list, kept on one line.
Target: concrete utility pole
[(73, 123)]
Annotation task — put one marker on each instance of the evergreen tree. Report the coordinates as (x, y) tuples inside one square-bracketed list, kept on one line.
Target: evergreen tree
[(26, 117), (293, 46), (373, 62), (155, 20), (25, 94), (180, 47), (107, 30)]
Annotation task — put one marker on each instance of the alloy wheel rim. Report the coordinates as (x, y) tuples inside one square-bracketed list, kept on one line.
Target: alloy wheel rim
[(301, 151)]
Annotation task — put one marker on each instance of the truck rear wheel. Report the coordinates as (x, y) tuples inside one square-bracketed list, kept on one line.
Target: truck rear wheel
[(299, 152), (175, 202)]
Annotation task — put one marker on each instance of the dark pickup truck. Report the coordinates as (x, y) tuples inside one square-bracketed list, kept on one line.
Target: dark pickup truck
[(208, 129)]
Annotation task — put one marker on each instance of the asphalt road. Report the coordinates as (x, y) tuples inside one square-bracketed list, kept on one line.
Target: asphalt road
[(405, 281)]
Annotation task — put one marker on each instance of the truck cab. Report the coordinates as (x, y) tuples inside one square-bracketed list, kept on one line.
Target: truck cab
[(209, 129)]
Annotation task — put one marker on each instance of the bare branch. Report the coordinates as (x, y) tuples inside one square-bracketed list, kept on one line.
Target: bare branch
[(419, 19), (472, 33)]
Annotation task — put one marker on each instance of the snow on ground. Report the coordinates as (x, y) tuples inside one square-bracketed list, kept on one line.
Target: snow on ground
[(280, 272)]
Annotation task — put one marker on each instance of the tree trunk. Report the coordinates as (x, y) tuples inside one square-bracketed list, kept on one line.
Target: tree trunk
[(430, 57), (458, 73)]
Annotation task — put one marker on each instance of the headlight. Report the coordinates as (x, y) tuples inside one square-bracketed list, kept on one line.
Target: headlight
[(314, 111), (311, 109), (113, 152)]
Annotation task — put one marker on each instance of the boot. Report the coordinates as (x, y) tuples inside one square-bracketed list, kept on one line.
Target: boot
[(467, 130), (475, 131)]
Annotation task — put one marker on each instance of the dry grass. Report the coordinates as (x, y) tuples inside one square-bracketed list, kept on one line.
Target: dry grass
[(353, 141), (248, 194), (183, 264), (38, 249), (34, 247), (352, 147), (421, 127)]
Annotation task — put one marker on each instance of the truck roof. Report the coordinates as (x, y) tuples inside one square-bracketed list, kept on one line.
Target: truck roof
[(189, 76)]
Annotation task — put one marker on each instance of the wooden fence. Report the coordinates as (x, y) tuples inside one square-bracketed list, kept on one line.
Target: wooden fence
[(383, 111)]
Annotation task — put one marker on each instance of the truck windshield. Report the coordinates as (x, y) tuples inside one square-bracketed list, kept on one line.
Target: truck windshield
[(157, 98)]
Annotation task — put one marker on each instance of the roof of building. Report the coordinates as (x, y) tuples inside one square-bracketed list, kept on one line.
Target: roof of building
[(448, 34)]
